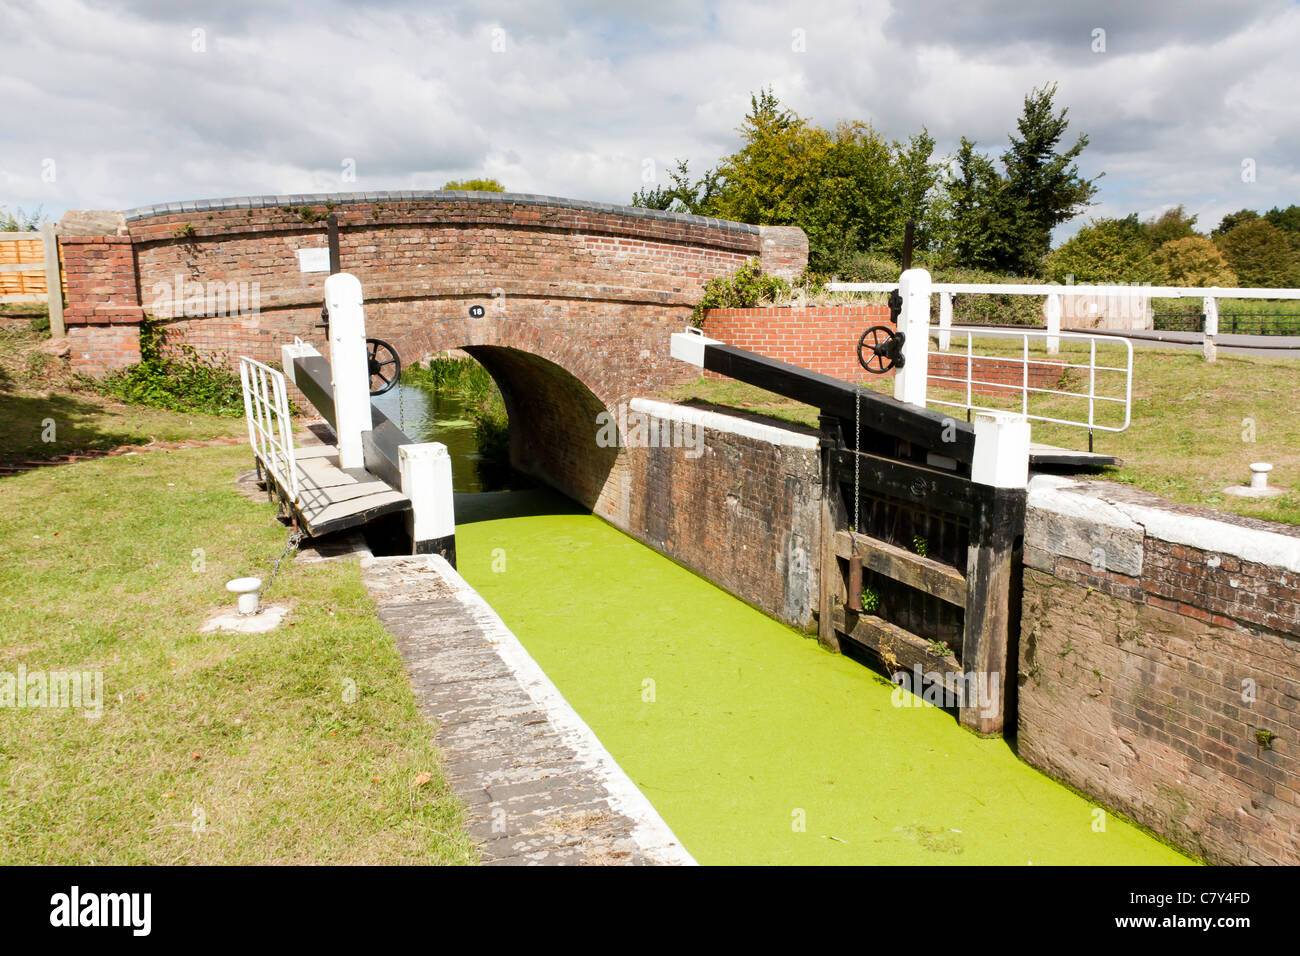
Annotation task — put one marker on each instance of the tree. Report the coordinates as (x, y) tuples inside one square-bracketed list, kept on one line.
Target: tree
[(1287, 219), (1106, 251), (917, 186), (20, 221), (475, 185), (1261, 254), (775, 175), (1170, 225), (973, 188), (1194, 261), (683, 195), (1232, 220), (1042, 186)]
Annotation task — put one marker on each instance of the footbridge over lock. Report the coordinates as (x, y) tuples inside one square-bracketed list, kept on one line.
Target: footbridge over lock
[(567, 303)]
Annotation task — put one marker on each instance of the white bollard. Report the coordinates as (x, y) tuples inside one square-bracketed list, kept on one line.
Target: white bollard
[(1052, 315), (945, 321), (1001, 450), (425, 470), (910, 380), (349, 366)]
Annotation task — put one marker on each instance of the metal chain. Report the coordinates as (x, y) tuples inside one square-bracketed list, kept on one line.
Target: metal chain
[(295, 538), (857, 455)]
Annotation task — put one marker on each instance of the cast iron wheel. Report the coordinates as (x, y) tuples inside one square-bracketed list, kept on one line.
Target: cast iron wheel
[(385, 366), (880, 349)]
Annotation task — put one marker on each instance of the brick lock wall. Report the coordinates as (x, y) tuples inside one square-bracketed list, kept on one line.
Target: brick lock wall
[(745, 514), (825, 339), (1148, 686)]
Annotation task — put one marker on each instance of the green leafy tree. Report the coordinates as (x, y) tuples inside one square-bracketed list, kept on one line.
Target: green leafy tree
[(1106, 250), (1288, 219), (1042, 187), (475, 186), (682, 195), (775, 175), (1194, 261), (1232, 220), (1170, 225), (19, 221), (1261, 254), (973, 191)]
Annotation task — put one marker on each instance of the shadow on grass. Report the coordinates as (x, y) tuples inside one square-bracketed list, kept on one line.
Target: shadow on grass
[(74, 424)]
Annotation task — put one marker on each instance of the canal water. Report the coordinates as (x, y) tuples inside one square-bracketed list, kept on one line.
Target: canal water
[(429, 416), (753, 743)]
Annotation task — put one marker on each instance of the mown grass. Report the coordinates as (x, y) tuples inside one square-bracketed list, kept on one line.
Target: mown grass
[(1195, 429), (45, 411), (213, 748)]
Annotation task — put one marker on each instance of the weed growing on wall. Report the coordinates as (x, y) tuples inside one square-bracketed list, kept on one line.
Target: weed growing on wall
[(178, 379)]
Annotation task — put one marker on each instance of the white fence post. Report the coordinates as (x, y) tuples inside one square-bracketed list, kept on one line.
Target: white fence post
[(349, 366), (1001, 450), (425, 470), (910, 380), (1052, 313), (1210, 306), (945, 321)]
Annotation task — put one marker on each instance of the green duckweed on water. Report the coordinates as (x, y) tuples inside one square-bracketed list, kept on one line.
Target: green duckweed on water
[(738, 729)]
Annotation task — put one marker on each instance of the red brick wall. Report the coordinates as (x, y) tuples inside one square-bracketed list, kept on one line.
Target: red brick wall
[(758, 497), (580, 298), (103, 313), (825, 339), (1147, 687), (99, 348)]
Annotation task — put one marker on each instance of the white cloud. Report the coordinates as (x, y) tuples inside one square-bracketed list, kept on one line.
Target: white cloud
[(586, 90)]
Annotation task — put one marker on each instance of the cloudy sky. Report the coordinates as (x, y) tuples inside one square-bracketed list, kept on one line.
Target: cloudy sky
[(118, 104)]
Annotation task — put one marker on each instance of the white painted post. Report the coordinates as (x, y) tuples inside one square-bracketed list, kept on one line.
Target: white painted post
[(425, 470), (1001, 450), (53, 279), (1052, 313), (1210, 306), (945, 321), (910, 380), (349, 367)]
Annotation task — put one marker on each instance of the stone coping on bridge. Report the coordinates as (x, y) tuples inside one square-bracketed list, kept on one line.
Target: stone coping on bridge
[(428, 195)]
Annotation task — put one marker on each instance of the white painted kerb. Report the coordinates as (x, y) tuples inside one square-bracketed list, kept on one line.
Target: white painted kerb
[(649, 830), (716, 421)]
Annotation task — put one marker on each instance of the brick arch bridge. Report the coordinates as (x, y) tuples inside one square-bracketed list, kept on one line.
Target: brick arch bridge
[(579, 297)]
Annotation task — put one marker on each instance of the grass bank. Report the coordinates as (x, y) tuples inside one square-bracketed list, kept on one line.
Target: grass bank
[(46, 411), (1196, 426), (211, 748)]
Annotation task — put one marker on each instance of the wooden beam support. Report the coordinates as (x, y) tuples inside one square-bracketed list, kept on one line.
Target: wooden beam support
[(925, 574), (913, 483), (911, 652), (996, 533), (939, 433)]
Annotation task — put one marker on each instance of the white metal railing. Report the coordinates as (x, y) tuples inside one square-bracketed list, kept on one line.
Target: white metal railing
[(969, 381), (1025, 288), (270, 429), (1054, 294)]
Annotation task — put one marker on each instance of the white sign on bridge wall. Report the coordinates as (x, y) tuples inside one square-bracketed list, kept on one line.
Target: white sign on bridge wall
[(314, 259)]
